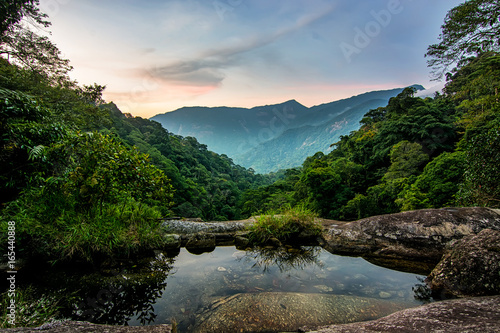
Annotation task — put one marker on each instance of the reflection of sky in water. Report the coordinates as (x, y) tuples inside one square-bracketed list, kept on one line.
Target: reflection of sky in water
[(196, 281)]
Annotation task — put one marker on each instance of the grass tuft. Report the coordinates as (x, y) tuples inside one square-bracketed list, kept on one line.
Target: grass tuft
[(292, 223)]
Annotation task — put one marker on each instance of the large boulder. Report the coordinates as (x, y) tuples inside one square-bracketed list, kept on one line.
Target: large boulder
[(463, 315), (420, 235), (281, 311), (470, 267)]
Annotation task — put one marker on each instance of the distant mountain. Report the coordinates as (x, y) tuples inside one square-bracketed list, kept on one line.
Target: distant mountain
[(272, 137), (293, 146), (232, 131)]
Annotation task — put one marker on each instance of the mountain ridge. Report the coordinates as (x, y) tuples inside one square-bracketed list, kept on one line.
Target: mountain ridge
[(250, 135)]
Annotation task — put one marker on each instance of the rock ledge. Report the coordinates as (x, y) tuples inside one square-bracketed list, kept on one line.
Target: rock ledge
[(463, 315)]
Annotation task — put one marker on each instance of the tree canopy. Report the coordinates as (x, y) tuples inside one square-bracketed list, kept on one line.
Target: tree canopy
[(24, 46), (469, 29)]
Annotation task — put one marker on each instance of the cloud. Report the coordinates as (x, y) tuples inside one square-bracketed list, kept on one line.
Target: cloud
[(209, 67), (199, 72)]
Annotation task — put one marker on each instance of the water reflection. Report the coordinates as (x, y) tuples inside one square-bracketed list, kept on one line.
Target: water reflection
[(284, 258), (116, 295), (156, 290)]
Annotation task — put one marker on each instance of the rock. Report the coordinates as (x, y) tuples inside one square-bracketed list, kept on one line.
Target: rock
[(462, 315), (420, 235), (172, 241), (323, 288), (184, 227), (201, 243), (241, 242), (471, 267), (281, 311), (384, 294), (76, 326)]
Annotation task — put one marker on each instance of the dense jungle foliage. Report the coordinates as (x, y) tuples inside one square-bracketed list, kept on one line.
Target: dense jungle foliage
[(414, 153), (81, 179), (79, 171)]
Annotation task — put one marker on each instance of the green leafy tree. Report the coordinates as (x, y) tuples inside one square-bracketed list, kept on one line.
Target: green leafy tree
[(25, 47), (481, 184), (469, 29), (97, 169), (407, 158), (13, 11), (26, 131), (325, 191), (438, 185)]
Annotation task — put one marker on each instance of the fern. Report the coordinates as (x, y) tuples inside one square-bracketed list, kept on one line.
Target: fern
[(37, 152)]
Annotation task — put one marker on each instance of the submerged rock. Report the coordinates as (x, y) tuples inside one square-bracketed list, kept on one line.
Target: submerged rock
[(420, 235), (471, 267), (463, 315), (275, 311)]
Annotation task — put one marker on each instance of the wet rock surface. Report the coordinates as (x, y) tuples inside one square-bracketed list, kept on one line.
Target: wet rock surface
[(470, 267), (481, 314), (185, 227), (200, 236), (420, 235), (76, 326), (462, 315), (276, 311)]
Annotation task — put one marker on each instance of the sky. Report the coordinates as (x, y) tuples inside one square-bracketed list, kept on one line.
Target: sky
[(156, 56)]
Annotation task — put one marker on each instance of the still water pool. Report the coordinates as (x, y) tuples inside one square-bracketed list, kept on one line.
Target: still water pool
[(229, 290)]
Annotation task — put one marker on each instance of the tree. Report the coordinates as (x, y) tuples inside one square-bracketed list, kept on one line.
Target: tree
[(438, 185), (469, 29), (26, 129), (98, 169), (481, 184), (12, 12), (406, 160), (21, 45), (325, 191)]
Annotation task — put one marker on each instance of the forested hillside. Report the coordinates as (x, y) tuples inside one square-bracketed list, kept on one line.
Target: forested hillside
[(206, 184), (79, 178), (273, 137), (413, 153), (296, 144)]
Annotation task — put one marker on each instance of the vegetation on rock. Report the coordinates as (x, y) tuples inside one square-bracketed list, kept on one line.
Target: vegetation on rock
[(289, 225)]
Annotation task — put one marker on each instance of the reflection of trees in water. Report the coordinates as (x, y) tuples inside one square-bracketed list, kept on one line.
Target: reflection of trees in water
[(285, 259), (128, 293)]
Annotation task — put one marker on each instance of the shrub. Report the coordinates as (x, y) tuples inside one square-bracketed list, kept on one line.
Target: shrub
[(289, 225)]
